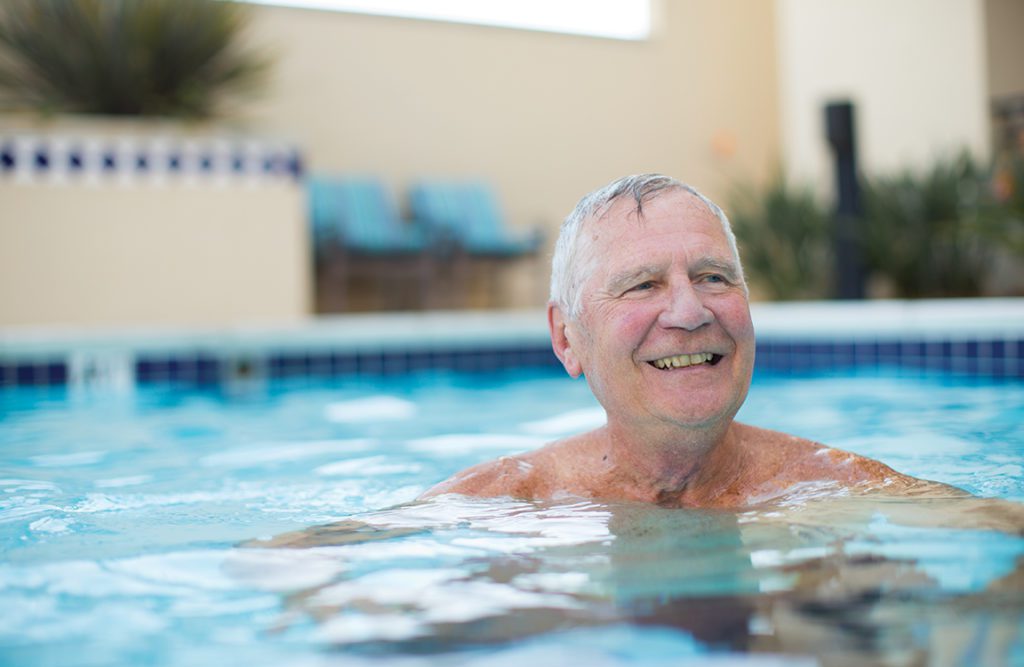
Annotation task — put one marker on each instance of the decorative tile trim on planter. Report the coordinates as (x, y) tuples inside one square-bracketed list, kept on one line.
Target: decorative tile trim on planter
[(160, 158)]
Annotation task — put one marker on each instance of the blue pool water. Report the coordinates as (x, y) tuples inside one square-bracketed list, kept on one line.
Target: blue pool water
[(272, 525)]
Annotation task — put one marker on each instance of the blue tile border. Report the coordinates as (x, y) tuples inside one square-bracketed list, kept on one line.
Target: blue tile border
[(989, 357), (67, 157), (996, 358)]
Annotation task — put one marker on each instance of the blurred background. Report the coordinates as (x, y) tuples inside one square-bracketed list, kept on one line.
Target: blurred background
[(198, 162)]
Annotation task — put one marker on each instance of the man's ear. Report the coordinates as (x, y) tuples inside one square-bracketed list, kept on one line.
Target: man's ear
[(558, 325)]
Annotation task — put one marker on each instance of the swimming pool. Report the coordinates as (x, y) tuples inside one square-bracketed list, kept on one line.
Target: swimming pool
[(174, 524)]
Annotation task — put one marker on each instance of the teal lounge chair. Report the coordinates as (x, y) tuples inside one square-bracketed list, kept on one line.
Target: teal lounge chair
[(359, 234), (357, 214), (468, 214)]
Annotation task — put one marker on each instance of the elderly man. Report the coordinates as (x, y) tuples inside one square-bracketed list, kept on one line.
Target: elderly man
[(649, 303)]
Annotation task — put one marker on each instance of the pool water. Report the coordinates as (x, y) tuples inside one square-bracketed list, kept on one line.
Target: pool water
[(269, 525)]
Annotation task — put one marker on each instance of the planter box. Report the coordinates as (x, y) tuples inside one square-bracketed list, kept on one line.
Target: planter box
[(130, 222)]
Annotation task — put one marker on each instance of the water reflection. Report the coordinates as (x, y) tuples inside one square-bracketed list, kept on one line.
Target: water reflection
[(846, 580)]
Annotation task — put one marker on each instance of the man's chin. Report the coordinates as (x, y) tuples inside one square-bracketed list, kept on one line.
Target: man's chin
[(701, 418)]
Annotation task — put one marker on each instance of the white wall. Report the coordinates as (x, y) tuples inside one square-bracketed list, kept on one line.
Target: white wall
[(915, 69)]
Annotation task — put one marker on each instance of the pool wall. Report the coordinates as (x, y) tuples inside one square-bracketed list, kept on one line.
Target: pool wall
[(977, 336)]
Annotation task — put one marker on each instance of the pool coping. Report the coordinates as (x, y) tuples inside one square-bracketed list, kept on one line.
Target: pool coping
[(955, 319)]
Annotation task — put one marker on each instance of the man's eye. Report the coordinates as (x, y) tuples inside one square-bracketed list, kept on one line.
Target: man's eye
[(715, 278), (646, 285)]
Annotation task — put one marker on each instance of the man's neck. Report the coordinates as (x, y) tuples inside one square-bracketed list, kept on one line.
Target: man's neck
[(676, 467)]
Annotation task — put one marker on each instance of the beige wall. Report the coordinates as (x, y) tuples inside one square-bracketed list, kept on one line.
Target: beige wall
[(544, 117), (1004, 24), (106, 254), (915, 69), (721, 92)]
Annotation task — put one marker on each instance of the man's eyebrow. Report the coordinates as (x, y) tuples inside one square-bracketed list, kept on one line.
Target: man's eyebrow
[(633, 276), (728, 269)]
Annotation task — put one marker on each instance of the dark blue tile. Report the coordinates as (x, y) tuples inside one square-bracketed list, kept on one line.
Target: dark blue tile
[(822, 349), (997, 349), (343, 364), (546, 357), (57, 373), (999, 369), (491, 360), (420, 360), (367, 364), (141, 162), (466, 361), (395, 363), (295, 166), (971, 349), (148, 370), (109, 162), (845, 354), (42, 160), (443, 359), (318, 365), (238, 164), (934, 350), (912, 348), (75, 161), (174, 162), (175, 369), (275, 367), (866, 353), (889, 350), (8, 159), (206, 163), (799, 349), (207, 370), (25, 374), (298, 364)]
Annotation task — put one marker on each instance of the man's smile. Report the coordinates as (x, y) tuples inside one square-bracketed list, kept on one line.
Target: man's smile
[(686, 360)]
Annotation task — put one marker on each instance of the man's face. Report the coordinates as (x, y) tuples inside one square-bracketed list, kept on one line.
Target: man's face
[(664, 335)]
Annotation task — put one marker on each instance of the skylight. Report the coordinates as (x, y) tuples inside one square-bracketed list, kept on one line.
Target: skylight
[(616, 19)]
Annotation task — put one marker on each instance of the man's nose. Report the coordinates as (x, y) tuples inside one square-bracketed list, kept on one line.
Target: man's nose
[(684, 309)]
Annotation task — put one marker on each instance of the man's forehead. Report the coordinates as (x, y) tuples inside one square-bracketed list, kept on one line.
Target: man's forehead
[(623, 221), (626, 211)]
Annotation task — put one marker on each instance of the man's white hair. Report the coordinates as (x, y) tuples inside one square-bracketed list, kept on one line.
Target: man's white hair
[(566, 271)]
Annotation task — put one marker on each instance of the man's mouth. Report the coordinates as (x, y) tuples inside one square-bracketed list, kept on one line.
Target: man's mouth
[(685, 360)]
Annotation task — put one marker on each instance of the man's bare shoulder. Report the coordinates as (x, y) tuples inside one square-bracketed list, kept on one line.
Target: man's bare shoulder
[(530, 475), (504, 476), (783, 459)]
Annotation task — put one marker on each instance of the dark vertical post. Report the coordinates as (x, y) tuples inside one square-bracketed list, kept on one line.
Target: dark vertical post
[(839, 128)]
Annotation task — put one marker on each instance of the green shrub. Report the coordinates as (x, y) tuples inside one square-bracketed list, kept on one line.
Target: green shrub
[(784, 239), (1002, 221), (922, 233), (124, 57)]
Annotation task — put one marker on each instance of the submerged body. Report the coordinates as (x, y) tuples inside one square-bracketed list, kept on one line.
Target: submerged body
[(649, 303)]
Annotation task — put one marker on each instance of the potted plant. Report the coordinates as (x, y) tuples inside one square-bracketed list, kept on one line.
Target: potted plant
[(148, 58)]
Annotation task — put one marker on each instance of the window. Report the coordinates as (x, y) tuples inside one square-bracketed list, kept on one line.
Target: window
[(617, 19)]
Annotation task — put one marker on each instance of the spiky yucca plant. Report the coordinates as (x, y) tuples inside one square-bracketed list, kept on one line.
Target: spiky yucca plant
[(783, 234), (176, 58)]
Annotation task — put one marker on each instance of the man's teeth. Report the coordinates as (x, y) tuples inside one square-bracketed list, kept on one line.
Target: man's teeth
[(683, 360)]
